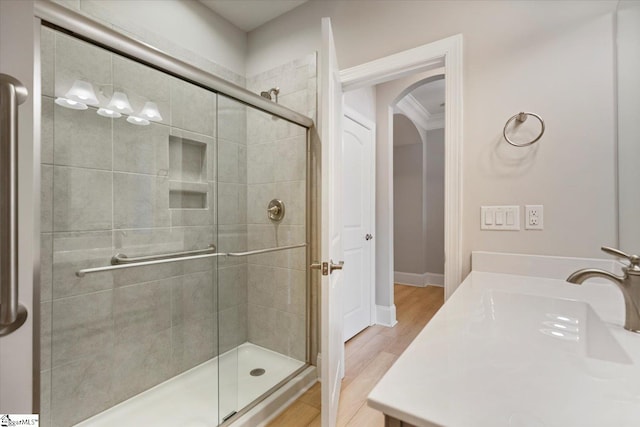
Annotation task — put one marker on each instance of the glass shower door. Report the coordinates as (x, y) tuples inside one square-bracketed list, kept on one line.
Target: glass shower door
[(261, 203), (128, 175)]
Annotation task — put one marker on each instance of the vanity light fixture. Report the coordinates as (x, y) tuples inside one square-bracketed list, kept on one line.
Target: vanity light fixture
[(79, 96), (68, 103), (120, 103), (150, 112), (105, 112), (138, 121)]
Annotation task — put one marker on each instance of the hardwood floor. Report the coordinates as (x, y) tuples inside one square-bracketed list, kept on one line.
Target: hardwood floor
[(368, 356)]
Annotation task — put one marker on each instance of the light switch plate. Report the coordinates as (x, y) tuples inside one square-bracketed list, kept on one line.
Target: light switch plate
[(500, 218)]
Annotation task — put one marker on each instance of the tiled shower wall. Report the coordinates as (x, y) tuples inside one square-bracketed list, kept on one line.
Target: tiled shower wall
[(276, 168), (109, 186)]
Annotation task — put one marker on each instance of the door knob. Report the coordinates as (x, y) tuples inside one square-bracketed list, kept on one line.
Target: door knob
[(337, 266), (322, 266), (327, 267), (368, 236)]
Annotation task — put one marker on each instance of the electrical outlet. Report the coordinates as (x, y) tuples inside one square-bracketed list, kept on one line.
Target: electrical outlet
[(533, 217)]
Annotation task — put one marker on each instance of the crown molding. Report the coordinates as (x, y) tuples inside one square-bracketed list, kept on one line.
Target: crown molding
[(436, 121), (410, 107)]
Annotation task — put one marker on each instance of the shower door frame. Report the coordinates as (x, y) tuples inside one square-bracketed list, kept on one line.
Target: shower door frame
[(59, 18)]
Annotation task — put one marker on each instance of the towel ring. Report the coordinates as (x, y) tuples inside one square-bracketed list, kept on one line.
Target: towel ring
[(521, 118)]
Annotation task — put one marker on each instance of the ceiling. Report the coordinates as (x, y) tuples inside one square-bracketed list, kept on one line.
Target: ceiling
[(424, 106), (250, 14), (431, 96)]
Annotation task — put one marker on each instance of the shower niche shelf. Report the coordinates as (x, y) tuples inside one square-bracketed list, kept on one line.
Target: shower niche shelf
[(187, 195), (188, 186)]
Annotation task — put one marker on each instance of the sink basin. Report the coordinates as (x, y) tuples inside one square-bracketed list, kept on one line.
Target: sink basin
[(556, 325)]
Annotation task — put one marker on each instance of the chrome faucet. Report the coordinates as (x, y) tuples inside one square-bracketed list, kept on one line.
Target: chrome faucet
[(629, 284)]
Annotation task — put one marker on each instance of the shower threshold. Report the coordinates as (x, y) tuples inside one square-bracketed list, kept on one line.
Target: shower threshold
[(191, 399)]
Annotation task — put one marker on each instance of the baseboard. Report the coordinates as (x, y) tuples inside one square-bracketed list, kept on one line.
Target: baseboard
[(386, 315), (434, 279), (420, 280), (411, 279)]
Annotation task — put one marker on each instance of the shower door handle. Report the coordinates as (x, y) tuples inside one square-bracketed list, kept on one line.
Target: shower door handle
[(12, 313)]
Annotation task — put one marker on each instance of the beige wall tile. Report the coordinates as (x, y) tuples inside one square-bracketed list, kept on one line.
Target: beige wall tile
[(232, 120), (45, 399), (82, 138), (75, 251), (81, 199), (82, 326), (258, 198), (232, 286), (46, 266), (46, 198), (141, 364), (291, 159), (71, 64), (141, 149), (140, 201), (45, 336), (142, 84), (81, 389), (192, 108), (261, 161), (142, 309)]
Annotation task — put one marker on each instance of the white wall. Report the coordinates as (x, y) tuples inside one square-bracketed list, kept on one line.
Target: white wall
[(185, 23), (553, 58), (628, 42), (408, 238)]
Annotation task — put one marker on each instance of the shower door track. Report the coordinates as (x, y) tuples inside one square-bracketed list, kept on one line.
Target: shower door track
[(84, 28)]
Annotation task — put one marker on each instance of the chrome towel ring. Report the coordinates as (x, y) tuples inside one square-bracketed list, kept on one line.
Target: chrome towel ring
[(521, 118)]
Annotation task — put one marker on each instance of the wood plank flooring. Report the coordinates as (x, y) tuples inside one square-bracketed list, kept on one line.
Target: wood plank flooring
[(368, 356)]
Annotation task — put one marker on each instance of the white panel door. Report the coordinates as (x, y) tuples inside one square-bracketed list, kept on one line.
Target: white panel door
[(330, 121), (357, 196)]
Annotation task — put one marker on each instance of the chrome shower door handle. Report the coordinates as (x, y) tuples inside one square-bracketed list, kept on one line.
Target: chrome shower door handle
[(12, 313)]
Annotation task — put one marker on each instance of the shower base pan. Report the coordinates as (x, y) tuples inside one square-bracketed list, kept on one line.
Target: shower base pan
[(191, 399)]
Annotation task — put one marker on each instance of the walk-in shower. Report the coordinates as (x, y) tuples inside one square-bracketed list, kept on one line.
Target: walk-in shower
[(168, 294)]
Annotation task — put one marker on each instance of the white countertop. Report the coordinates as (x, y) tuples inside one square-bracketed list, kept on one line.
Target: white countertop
[(518, 351)]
